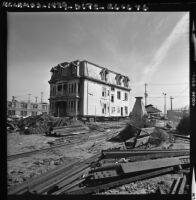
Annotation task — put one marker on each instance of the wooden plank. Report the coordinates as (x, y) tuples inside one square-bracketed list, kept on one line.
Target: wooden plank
[(131, 153), (102, 187), (182, 185), (153, 164), (145, 157), (160, 190), (175, 185)]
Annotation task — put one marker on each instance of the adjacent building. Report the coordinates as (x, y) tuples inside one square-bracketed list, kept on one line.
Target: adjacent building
[(152, 111), (25, 109), (85, 89)]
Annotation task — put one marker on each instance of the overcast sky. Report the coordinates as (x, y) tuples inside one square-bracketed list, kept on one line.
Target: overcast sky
[(151, 47)]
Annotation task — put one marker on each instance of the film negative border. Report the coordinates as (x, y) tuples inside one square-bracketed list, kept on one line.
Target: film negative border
[(65, 6)]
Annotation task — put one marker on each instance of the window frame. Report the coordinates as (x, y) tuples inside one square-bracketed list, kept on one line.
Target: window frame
[(119, 95)]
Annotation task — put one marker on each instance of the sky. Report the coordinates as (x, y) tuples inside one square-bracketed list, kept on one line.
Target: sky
[(149, 47)]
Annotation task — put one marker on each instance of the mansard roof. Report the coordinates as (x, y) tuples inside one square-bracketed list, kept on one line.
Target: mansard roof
[(76, 62)]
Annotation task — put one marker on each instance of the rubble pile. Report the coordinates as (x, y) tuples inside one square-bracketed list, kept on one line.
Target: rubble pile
[(158, 137), (12, 124), (35, 124), (44, 123), (128, 132)]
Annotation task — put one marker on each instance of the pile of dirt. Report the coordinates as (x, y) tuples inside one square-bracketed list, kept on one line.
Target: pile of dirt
[(158, 137), (12, 124), (35, 124), (44, 123)]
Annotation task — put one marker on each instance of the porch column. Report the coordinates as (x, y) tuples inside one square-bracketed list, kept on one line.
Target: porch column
[(56, 89), (62, 89), (68, 108), (76, 108), (76, 89)]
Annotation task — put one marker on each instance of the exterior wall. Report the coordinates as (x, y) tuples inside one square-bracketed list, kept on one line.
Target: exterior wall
[(24, 109), (93, 102), (87, 98)]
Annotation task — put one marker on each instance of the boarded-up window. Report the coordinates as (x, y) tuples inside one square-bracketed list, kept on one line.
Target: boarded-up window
[(112, 98), (118, 94), (126, 110), (104, 108), (126, 97)]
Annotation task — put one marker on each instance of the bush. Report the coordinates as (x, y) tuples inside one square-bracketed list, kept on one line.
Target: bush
[(184, 125)]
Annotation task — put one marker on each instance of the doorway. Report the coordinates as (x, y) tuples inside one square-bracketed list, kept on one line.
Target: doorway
[(121, 111)]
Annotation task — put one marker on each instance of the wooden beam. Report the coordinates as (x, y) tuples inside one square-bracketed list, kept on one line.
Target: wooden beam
[(182, 185), (153, 164)]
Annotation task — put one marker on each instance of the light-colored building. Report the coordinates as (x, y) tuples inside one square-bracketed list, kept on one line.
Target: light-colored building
[(25, 109), (85, 89)]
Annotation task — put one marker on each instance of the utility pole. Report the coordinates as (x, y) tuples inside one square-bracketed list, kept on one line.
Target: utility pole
[(13, 98), (36, 99), (145, 94), (164, 103), (171, 101), (42, 97), (29, 96)]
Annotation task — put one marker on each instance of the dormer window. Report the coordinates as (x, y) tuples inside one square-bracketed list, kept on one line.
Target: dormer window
[(118, 79), (126, 81), (74, 70), (104, 74)]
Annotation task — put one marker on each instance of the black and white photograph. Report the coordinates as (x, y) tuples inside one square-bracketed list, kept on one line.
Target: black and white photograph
[(98, 103)]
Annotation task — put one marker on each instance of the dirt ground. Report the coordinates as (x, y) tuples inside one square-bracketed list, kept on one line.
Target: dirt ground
[(20, 170)]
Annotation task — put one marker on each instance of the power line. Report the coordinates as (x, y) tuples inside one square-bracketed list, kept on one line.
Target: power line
[(157, 84), (181, 92), (168, 84), (167, 97)]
